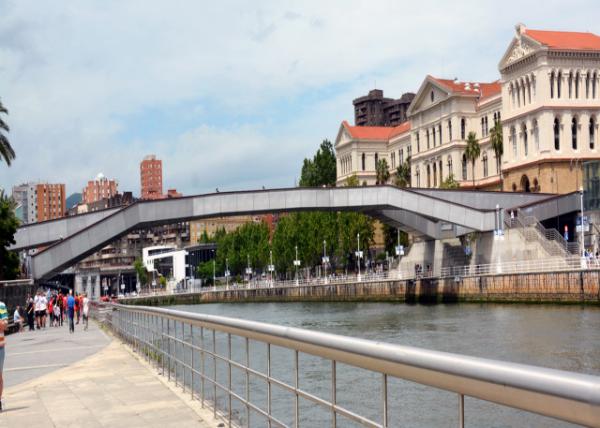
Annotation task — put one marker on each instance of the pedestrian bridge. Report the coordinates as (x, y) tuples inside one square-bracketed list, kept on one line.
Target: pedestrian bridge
[(430, 212)]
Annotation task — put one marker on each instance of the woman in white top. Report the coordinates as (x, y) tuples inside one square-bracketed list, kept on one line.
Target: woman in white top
[(86, 311)]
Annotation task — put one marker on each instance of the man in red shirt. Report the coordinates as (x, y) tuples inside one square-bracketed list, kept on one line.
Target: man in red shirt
[(77, 307)]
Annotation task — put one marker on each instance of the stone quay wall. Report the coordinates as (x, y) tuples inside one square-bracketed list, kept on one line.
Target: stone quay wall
[(548, 287)]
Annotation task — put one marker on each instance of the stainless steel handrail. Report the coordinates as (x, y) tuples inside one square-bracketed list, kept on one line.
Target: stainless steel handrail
[(567, 396)]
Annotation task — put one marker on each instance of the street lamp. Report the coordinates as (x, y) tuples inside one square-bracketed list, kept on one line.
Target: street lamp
[(271, 266), (325, 259), (227, 273), (358, 253), (296, 264)]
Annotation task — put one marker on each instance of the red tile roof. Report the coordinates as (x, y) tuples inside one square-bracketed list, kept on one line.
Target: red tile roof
[(381, 133), (485, 89), (566, 39)]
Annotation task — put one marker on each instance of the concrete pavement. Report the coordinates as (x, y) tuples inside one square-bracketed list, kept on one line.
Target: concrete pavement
[(88, 379)]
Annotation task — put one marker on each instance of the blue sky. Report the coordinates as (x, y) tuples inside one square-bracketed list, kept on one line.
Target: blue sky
[(229, 94)]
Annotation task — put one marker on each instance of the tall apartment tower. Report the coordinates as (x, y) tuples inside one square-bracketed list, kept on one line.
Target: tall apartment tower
[(98, 189), (151, 178), (40, 201), (376, 110)]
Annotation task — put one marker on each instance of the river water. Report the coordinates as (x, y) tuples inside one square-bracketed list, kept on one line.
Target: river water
[(555, 336)]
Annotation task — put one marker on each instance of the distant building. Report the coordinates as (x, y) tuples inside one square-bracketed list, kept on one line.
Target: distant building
[(99, 188), (375, 110), (40, 201), (116, 200), (173, 193), (151, 178)]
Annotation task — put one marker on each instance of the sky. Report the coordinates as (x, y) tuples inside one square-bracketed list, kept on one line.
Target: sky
[(229, 94)]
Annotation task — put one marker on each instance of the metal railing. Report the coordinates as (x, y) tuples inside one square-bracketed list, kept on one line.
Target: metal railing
[(184, 347)]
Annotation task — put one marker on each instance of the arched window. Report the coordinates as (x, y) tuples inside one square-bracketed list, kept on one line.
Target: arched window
[(570, 81), (513, 138), (428, 176), (558, 84), (528, 91), (592, 132), (574, 133), (434, 175), (523, 87), (418, 176), (464, 167), (450, 171), (427, 136), (518, 95), (594, 77), (536, 135), (433, 135), (552, 84), (587, 84), (556, 134), (577, 85), (484, 161), (441, 173), (418, 142), (482, 128), (393, 159), (486, 126), (525, 142), (440, 132), (450, 129), (432, 96), (363, 162), (525, 186), (463, 126), (376, 160), (400, 157)]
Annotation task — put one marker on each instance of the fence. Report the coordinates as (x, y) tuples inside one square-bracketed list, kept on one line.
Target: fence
[(183, 346)]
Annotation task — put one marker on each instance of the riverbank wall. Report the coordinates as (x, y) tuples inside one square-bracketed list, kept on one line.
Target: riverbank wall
[(576, 287)]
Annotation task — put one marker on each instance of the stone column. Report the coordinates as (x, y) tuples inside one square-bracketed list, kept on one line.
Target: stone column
[(78, 283), (96, 294)]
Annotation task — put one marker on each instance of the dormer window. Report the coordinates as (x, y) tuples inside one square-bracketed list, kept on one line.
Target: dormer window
[(432, 96)]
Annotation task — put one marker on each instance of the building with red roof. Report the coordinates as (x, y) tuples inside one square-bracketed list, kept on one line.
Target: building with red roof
[(546, 102)]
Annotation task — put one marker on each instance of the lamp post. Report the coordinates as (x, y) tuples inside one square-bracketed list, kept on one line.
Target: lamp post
[(582, 245), (325, 260), (214, 274), (296, 264), (358, 254), (271, 266), (227, 273)]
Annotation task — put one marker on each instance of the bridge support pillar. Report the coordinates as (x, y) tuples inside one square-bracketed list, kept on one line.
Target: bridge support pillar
[(78, 283), (96, 293)]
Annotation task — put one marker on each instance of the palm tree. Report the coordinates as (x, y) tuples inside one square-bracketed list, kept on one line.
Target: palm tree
[(472, 151), (382, 171), (6, 151), (496, 142), (403, 174)]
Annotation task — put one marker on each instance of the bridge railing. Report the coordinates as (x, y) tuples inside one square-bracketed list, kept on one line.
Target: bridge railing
[(213, 358)]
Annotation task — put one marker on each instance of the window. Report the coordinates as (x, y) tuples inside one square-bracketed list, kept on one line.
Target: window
[(525, 142), (592, 132), (418, 175), (418, 143), (587, 84), (463, 127), (594, 77), (431, 96), (574, 133), (464, 167), (376, 160), (393, 159), (482, 128), (441, 173), (363, 161), (485, 124), (408, 152), (450, 129), (427, 136), (428, 176), (433, 135), (450, 172), (558, 84), (577, 85), (570, 82), (552, 84), (400, 157), (434, 175), (440, 132), (536, 135), (513, 137), (484, 160), (556, 134)]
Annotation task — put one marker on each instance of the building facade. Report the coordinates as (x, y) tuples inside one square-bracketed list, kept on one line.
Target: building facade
[(98, 189), (40, 201), (376, 110), (547, 101), (151, 178)]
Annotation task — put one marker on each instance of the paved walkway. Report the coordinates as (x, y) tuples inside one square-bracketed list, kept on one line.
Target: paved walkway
[(108, 386)]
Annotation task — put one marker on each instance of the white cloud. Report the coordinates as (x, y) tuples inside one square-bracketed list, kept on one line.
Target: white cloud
[(82, 79)]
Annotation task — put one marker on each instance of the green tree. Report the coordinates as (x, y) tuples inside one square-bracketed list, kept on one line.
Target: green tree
[(349, 225), (497, 145), (140, 271), (250, 240), (6, 151), (321, 170), (9, 260), (162, 281), (390, 235), (382, 171), (204, 271), (352, 181), (450, 183), (472, 151), (402, 178)]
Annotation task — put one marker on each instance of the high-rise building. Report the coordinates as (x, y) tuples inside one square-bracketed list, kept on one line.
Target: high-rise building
[(151, 178), (40, 201), (98, 189), (375, 110)]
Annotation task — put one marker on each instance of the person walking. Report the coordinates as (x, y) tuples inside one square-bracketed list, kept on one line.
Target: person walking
[(71, 311), (3, 327), (86, 311), (77, 307), (29, 310)]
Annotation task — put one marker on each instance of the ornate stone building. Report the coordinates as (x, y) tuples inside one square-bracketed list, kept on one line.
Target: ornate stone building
[(547, 100)]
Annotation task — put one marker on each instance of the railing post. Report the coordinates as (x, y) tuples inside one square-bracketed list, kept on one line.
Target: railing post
[(247, 381), (296, 385), (183, 356), (385, 400), (229, 376), (202, 365), (169, 346), (214, 336), (461, 411), (333, 394), (269, 383), (192, 360)]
